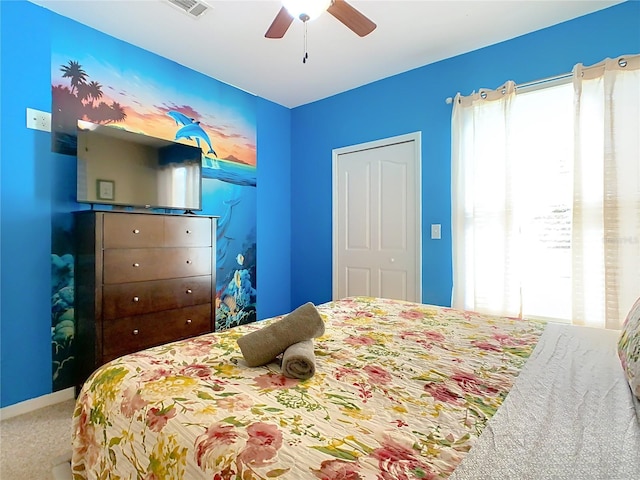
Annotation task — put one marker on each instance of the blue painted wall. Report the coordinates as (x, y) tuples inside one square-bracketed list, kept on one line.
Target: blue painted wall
[(25, 203), (294, 169), (274, 209), (27, 170), (415, 101)]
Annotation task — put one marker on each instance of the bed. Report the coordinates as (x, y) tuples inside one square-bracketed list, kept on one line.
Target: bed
[(401, 391)]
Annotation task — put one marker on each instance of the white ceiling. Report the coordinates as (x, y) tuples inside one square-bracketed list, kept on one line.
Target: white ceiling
[(228, 43)]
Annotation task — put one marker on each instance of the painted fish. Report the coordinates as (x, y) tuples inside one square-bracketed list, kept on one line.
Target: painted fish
[(230, 302), (240, 259)]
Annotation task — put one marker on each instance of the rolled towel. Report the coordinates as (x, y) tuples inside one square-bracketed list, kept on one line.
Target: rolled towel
[(299, 361), (261, 346)]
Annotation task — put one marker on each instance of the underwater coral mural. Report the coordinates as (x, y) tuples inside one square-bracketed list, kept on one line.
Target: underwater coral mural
[(97, 78), (62, 318)]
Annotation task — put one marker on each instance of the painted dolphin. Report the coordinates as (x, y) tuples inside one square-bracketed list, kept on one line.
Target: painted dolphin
[(225, 219), (193, 130), (180, 118)]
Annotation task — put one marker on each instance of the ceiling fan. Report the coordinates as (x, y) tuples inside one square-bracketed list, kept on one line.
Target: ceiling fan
[(340, 9)]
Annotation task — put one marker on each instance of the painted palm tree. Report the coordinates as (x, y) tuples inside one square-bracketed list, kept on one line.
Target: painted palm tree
[(118, 112), (90, 92), (108, 113), (74, 71), (68, 108), (100, 114)]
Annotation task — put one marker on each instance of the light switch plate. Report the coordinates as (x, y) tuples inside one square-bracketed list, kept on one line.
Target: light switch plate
[(435, 231)]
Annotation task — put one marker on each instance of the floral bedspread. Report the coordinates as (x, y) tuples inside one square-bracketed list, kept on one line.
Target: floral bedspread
[(401, 391)]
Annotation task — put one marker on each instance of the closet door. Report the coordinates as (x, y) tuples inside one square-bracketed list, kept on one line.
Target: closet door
[(377, 232)]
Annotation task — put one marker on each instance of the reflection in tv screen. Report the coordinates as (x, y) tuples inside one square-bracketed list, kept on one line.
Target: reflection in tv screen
[(119, 167)]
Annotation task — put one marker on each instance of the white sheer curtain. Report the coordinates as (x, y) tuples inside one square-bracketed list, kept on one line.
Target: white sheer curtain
[(546, 207), (606, 214), (485, 256)]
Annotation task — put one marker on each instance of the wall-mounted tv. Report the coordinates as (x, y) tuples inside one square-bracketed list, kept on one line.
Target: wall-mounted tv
[(123, 168)]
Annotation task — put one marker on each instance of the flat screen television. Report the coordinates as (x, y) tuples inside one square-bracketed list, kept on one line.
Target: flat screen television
[(123, 168)]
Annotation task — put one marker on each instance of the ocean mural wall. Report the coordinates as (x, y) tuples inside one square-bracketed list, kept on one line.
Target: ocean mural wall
[(99, 79)]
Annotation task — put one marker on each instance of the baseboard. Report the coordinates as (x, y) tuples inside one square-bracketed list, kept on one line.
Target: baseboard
[(37, 403)]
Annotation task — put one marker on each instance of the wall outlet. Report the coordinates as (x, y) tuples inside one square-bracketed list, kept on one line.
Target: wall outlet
[(38, 120)]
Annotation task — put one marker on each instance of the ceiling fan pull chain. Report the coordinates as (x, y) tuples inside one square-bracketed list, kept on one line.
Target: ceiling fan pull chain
[(306, 55)]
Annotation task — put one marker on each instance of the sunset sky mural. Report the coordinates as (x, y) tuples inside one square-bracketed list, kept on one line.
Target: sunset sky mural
[(147, 87)]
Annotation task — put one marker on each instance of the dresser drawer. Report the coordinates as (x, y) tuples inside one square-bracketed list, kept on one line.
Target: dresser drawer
[(187, 232), (130, 334), (126, 299), (135, 230), (138, 265), (145, 272)]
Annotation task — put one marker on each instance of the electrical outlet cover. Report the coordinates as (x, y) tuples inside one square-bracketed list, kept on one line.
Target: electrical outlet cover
[(38, 120)]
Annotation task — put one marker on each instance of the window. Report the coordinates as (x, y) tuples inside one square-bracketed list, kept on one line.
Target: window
[(546, 197), (543, 144)]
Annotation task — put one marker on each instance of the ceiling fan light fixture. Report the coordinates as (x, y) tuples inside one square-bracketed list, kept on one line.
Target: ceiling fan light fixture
[(306, 9)]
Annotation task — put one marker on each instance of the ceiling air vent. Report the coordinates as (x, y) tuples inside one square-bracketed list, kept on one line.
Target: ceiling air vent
[(192, 7)]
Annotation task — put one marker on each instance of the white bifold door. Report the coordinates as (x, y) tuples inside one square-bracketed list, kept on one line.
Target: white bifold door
[(376, 219)]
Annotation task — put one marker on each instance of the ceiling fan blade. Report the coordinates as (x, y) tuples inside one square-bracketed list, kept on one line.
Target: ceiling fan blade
[(280, 24), (351, 17)]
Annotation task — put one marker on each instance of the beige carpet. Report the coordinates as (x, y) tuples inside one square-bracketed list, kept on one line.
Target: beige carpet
[(31, 445)]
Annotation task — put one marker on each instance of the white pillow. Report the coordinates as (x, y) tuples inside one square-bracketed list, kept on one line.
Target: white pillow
[(629, 348)]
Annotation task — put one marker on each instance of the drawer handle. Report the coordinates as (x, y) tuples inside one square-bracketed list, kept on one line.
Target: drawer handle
[(136, 299), (188, 232), (136, 231), (189, 291), (188, 321), (136, 265), (189, 262), (136, 331)]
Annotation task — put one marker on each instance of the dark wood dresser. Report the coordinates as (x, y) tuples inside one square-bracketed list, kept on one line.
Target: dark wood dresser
[(141, 279)]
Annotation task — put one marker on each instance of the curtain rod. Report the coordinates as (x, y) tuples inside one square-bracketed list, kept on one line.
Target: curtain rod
[(532, 84)]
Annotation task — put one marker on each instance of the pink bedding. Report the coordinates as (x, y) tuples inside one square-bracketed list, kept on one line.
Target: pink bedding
[(401, 391)]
